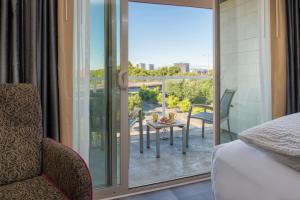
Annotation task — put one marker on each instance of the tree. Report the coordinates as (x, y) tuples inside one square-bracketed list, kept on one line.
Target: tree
[(196, 91), (175, 88), (97, 73), (134, 101), (149, 95)]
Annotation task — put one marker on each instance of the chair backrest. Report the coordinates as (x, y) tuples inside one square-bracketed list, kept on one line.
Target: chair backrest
[(97, 111), (225, 103), (20, 133)]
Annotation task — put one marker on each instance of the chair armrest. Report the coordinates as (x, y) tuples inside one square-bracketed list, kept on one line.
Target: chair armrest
[(67, 170), (135, 112), (203, 106)]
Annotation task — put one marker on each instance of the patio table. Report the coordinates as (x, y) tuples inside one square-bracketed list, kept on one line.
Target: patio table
[(157, 126)]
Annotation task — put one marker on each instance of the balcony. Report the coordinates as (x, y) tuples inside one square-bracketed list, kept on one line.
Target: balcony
[(163, 95), (145, 168)]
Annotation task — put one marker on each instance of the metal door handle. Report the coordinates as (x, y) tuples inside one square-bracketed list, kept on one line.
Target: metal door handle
[(123, 79)]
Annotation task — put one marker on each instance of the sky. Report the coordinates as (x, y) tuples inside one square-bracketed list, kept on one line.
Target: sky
[(159, 34), (96, 34)]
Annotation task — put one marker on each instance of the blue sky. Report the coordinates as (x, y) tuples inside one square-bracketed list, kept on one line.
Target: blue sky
[(159, 34), (97, 34)]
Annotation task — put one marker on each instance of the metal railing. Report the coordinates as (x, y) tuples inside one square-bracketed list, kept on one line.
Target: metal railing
[(161, 79)]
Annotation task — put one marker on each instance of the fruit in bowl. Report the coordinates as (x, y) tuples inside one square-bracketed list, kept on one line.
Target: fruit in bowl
[(166, 120)]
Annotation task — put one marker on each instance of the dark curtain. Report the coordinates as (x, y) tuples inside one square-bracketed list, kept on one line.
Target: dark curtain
[(28, 52), (293, 55)]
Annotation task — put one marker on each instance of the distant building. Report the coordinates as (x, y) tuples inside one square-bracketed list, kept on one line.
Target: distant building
[(184, 67), (151, 67), (142, 65), (200, 70)]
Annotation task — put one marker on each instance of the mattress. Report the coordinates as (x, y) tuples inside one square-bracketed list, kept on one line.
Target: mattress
[(242, 172)]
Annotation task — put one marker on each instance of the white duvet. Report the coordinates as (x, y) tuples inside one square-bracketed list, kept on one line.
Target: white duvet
[(242, 172)]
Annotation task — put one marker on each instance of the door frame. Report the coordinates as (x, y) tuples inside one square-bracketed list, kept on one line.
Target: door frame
[(123, 189), (103, 193), (186, 3), (216, 78)]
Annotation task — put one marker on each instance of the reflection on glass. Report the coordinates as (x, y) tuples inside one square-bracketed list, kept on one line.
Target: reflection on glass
[(104, 93), (241, 74)]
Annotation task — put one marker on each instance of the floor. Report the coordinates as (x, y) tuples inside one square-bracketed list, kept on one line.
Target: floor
[(198, 191), (146, 169)]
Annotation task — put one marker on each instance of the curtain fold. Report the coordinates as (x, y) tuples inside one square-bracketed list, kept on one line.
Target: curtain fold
[(278, 57), (293, 56), (65, 69), (28, 52)]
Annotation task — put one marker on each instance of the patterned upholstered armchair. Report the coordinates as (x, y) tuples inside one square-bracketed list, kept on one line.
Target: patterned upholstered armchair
[(33, 167)]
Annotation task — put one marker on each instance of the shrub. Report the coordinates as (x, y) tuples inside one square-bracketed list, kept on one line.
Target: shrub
[(149, 94), (197, 91), (156, 90), (172, 101), (197, 110), (207, 90), (192, 91), (134, 101), (175, 88), (184, 105), (159, 98)]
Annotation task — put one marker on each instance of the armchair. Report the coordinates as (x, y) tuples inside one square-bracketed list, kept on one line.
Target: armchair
[(33, 167)]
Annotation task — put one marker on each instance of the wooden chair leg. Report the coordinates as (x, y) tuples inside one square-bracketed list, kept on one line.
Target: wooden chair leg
[(203, 126)]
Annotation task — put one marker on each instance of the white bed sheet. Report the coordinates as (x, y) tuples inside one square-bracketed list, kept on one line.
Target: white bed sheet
[(242, 172)]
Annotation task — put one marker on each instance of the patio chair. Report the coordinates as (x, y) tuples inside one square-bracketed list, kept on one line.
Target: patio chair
[(134, 117), (207, 117), (97, 119)]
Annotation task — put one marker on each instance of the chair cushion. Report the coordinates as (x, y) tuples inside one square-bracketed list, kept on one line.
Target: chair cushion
[(32, 189), (20, 154), (20, 106), (20, 132), (205, 116)]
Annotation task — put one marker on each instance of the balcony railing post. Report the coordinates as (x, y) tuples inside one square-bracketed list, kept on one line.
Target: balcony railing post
[(163, 88)]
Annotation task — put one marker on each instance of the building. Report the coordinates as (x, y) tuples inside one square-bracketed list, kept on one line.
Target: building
[(184, 67), (151, 66), (200, 70), (142, 65)]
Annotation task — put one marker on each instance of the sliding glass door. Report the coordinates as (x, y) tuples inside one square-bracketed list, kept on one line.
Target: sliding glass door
[(243, 91), (100, 90)]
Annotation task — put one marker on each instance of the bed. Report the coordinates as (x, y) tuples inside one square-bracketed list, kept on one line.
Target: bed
[(243, 172)]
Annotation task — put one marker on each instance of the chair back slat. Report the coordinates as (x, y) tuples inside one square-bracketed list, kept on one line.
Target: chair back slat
[(226, 103)]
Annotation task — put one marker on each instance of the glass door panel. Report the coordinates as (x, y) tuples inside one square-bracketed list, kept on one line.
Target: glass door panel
[(244, 67), (98, 106), (160, 38)]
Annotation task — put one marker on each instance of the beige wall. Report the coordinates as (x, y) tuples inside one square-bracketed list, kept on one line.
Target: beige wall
[(65, 69)]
